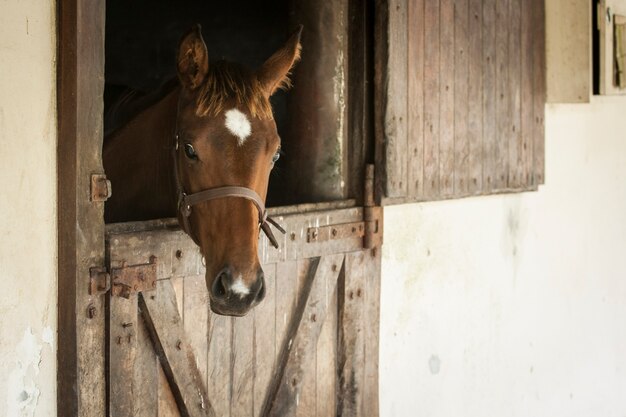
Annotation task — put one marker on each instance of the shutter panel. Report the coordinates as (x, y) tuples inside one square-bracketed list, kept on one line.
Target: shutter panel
[(459, 100)]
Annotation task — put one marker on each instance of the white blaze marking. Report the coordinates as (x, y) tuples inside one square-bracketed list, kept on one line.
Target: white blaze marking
[(238, 124), (240, 288)]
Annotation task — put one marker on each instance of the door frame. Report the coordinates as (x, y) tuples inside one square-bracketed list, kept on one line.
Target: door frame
[(82, 350), (81, 317)]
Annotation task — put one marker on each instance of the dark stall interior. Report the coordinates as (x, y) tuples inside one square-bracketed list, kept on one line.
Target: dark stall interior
[(142, 36), (324, 120)]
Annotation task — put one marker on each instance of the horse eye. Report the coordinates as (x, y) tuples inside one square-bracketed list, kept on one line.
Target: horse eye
[(190, 151), (276, 156)]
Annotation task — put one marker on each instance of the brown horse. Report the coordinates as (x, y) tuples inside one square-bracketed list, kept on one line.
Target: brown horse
[(213, 129)]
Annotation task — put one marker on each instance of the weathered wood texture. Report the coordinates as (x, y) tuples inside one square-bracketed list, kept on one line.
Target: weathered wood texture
[(81, 318), (165, 326), (288, 390), (459, 100), (304, 351), (317, 125)]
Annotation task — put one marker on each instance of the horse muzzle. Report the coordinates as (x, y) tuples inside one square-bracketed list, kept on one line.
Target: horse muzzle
[(232, 295)]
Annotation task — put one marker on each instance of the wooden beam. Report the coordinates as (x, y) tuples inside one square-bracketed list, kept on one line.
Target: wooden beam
[(81, 347), (160, 312)]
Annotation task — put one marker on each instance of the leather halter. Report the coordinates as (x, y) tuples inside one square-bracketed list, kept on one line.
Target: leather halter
[(187, 201)]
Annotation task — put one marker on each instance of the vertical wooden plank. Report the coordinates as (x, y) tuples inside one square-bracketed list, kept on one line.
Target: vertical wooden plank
[(177, 283), (242, 399), (286, 297), (360, 73), (381, 94), (167, 333), (82, 340), (318, 105), (351, 349), (503, 102), (475, 97), (305, 401), (326, 360), (196, 318), (371, 278), (396, 135), (446, 117), (146, 375), (461, 97), (287, 282), (219, 384), (516, 151), (489, 95), (264, 339), (539, 89), (166, 401), (527, 104), (415, 57), (431, 99), (165, 326), (122, 354)]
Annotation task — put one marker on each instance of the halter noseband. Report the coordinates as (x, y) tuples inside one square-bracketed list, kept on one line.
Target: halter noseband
[(187, 201)]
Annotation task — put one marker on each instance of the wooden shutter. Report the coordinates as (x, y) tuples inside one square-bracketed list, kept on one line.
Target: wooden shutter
[(459, 101)]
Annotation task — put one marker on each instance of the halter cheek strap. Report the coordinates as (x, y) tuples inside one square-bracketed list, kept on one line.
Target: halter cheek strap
[(187, 201)]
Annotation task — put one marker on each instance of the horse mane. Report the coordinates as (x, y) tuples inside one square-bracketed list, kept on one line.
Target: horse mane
[(227, 80), (224, 81)]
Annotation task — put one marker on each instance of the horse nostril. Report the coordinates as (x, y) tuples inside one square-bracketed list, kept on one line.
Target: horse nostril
[(219, 288), (261, 293)]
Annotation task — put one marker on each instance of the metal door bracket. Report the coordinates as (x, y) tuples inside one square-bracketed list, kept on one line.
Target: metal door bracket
[(131, 279), (373, 236), (100, 187), (372, 214), (335, 232), (99, 281), (125, 280)]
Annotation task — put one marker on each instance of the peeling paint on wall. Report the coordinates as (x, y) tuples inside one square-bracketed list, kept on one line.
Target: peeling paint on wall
[(23, 392), (28, 260)]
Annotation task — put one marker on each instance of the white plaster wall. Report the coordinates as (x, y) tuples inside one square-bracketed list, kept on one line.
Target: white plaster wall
[(28, 291), (515, 305)]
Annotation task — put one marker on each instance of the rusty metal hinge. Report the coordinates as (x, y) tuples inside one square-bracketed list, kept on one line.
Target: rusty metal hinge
[(100, 187), (131, 279), (373, 236), (371, 229), (99, 281), (335, 232), (125, 280)]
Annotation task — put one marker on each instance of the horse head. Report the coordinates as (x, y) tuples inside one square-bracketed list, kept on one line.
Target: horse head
[(226, 137)]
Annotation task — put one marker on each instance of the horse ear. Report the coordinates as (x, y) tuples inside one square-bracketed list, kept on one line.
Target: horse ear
[(274, 73), (193, 59)]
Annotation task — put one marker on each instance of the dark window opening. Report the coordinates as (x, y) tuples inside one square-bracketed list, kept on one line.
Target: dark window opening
[(142, 37), (595, 45)]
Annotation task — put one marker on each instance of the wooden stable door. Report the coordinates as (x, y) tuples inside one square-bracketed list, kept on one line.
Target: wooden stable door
[(136, 336), (309, 349)]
